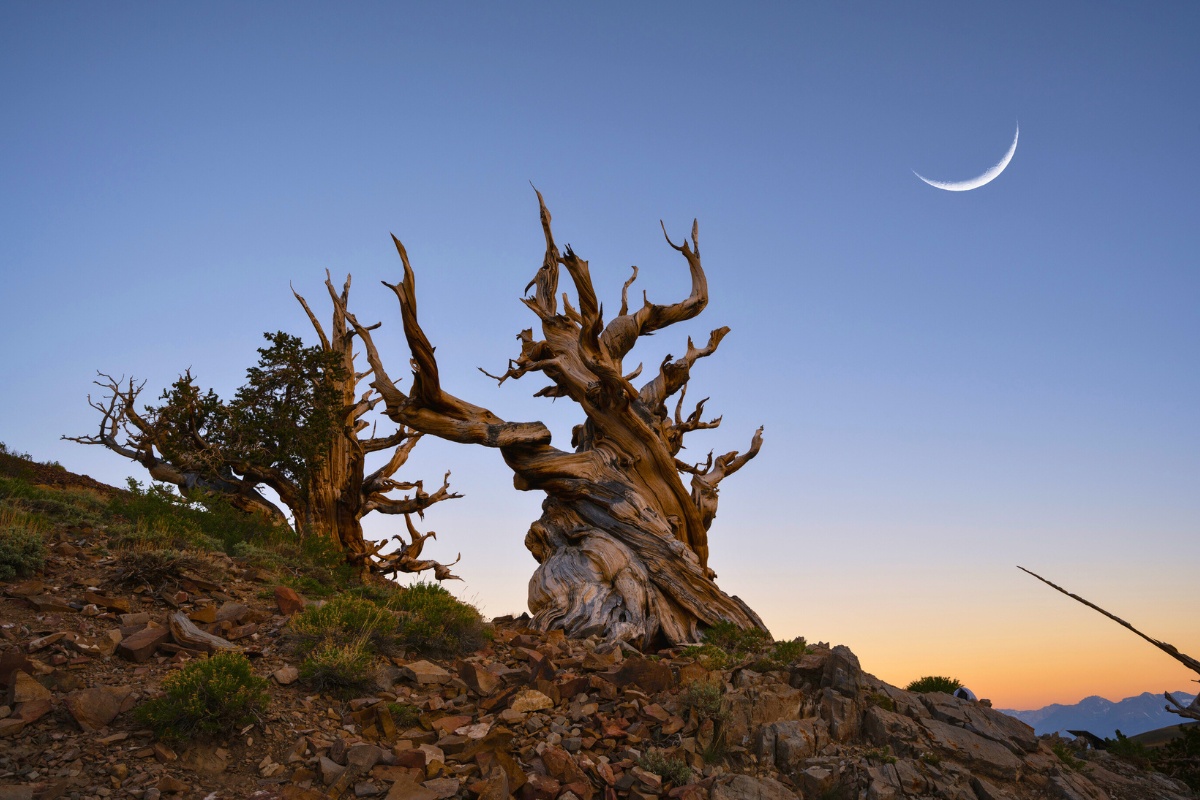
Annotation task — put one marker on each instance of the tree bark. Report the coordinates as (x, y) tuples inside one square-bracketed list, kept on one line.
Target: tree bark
[(622, 544)]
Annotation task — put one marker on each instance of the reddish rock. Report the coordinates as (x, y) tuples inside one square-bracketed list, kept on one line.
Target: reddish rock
[(11, 726), (33, 710), (540, 787), (650, 676), (288, 601), (45, 604), (140, 646), (478, 679), (24, 688), (94, 708)]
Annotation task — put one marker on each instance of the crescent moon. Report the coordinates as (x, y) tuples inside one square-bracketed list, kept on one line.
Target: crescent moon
[(985, 178)]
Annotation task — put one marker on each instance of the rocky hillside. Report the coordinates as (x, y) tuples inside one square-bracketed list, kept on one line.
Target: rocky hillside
[(84, 644)]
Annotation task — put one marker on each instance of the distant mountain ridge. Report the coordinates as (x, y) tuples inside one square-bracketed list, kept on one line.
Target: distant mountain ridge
[(1131, 716)]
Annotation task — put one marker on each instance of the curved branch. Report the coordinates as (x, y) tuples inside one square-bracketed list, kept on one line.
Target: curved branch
[(429, 409), (704, 482), (622, 333)]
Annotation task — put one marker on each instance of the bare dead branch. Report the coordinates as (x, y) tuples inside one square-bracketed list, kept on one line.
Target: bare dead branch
[(1193, 710)]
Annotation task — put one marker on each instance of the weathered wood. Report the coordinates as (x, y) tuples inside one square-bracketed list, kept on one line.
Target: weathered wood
[(622, 543), (1191, 711), (186, 634)]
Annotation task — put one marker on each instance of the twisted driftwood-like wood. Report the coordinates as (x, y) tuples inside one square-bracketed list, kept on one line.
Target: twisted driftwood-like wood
[(622, 543)]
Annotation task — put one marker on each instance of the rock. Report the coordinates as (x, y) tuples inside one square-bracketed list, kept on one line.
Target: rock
[(14, 792), (330, 770), (530, 700), (11, 726), (478, 679), (32, 710), (1008, 731), (24, 688), (540, 787), (842, 672), (140, 646), (206, 759), (45, 604), (651, 676), (231, 611), (432, 753), (286, 675), (170, 784), (444, 788), (42, 642), (789, 744), (744, 787), (818, 781), (409, 789), (288, 601), (363, 756), (976, 752), (94, 708), (424, 672)]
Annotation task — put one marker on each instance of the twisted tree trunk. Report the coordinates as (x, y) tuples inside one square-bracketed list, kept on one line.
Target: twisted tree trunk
[(622, 544)]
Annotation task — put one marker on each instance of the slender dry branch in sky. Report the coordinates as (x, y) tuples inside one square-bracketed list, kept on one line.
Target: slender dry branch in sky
[(1192, 711)]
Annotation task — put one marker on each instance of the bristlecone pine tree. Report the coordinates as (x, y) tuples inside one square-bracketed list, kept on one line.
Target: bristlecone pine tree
[(622, 543), (294, 427)]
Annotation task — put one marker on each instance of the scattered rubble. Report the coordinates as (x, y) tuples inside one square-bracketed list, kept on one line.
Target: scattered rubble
[(532, 715)]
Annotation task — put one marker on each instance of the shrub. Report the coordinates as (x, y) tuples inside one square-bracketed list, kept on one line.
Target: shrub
[(343, 669), (212, 698), (1066, 755), (22, 549), (156, 568), (703, 698), (433, 622), (1128, 749), (343, 618), (709, 656), (881, 700), (726, 645), (934, 683), (404, 715), (673, 769), (735, 640)]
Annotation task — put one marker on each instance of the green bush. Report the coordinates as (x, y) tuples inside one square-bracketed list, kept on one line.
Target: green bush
[(934, 683), (433, 622), (726, 645), (673, 769), (343, 669), (157, 512), (22, 549), (404, 715), (344, 618), (704, 698), (737, 641), (211, 698)]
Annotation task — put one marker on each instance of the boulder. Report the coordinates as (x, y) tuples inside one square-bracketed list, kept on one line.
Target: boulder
[(94, 708), (745, 787), (423, 672)]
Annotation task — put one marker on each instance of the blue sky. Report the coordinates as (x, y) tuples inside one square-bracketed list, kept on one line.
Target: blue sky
[(951, 383)]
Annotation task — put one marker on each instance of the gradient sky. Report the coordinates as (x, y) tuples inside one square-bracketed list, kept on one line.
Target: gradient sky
[(951, 383)]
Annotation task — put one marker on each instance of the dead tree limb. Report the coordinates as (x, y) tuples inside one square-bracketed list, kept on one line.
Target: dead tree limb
[(1191, 711)]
